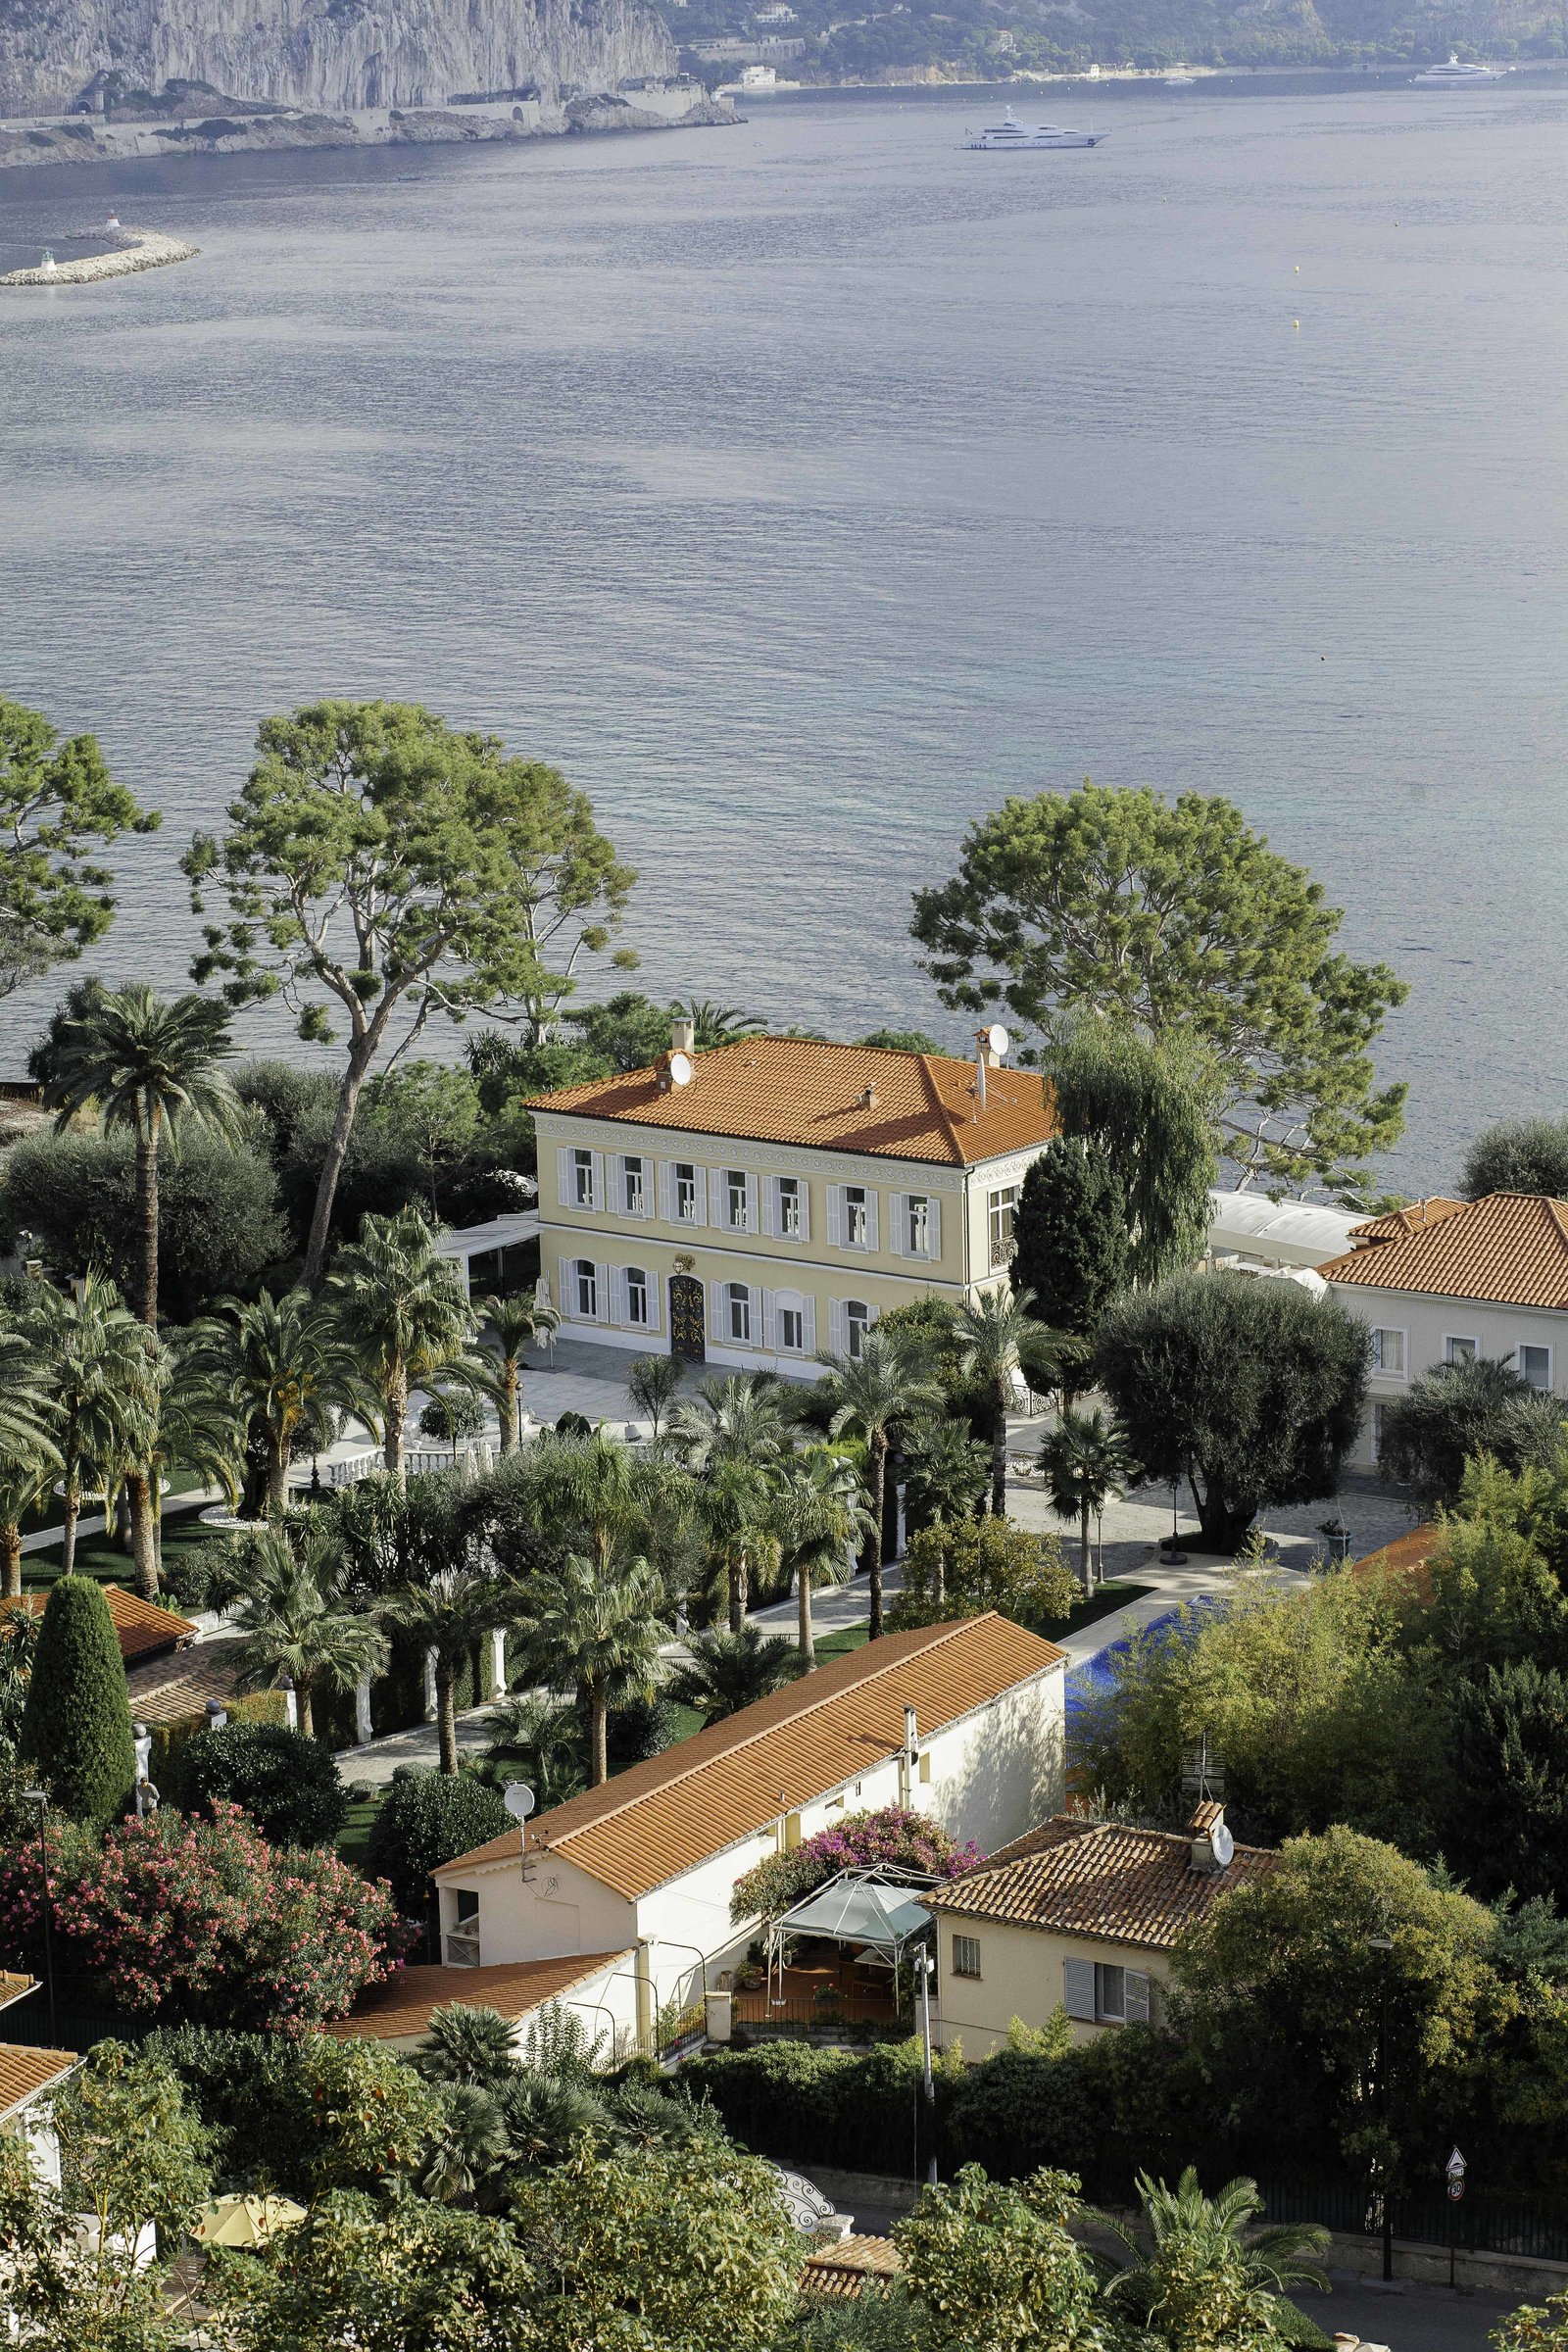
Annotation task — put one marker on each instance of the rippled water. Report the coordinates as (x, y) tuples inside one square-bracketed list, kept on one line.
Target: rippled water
[(803, 489)]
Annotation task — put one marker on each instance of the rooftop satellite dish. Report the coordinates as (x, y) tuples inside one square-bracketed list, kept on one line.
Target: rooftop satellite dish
[(998, 1039), (519, 1799), (1222, 1843), (680, 1070)]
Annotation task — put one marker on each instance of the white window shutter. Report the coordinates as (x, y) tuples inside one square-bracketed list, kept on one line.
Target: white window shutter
[(933, 1226), (1078, 1988), (838, 1328), (565, 1190), (771, 1205), (617, 1295), (699, 1199), (718, 1320), (666, 1190), (803, 1196), (899, 1224), (752, 1224), (602, 1277), (716, 1197), (873, 1314), (808, 1318), (597, 1162), (871, 1242), (769, 1319), (835, 1216), (1139, 2006), (654, 1289)]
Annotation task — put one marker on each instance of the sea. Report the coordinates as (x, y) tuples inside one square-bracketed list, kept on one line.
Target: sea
[(806, 489)]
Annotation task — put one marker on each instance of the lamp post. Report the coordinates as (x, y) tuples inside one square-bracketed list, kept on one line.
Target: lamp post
[(926, 1965), (1175, 1557), (1383, 1942), (38, 1798)]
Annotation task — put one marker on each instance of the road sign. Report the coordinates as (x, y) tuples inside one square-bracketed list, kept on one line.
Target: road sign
[(1456, 2190), (1456, 2166)]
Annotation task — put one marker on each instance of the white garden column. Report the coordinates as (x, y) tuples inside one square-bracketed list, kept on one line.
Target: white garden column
[(362, 1711), (291, 1703), (429, 1686), (900, 1492), (496, 1682)]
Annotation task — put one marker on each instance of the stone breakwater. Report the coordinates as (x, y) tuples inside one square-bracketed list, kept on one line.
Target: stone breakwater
[(143, 249)]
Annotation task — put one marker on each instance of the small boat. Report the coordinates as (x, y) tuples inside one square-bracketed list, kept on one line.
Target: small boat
[(1178, 78), (1029, 136), (1456, 76)]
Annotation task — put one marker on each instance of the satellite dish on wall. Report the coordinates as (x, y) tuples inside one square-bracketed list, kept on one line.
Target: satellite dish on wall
[(519, 1799), (1222, 1843), (680, 1070), (998, 1039)]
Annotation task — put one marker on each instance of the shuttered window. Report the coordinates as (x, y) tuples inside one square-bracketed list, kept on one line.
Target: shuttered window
[(1078, 1990), (579, 1178)]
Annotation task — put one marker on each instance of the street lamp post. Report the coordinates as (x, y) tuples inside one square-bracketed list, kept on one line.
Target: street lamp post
[(926, 1965), (40, 1798), (1383, 1943)]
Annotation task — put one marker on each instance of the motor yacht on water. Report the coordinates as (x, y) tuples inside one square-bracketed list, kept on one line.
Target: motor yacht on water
[(1456, 76), (1027, 136)]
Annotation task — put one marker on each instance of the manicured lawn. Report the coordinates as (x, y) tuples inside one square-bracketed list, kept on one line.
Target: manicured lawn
[(835, 1646), (353, 1838), (1103, 1603), (101, 1556)]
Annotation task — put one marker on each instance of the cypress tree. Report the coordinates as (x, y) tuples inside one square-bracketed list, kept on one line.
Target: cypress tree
[(75, 1725), (1070, 1240)]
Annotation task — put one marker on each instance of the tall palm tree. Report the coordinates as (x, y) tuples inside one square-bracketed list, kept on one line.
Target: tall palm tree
[(175, 1413), (296, 1621), (1180, 2233), (87, 1351), (514, 1322), (29, 1461), (732, 1433), (290, 1369), (949, 1468), (730, 1671), (718, 1024), (1088, 1463), (406, 1317), (449, 1615), (873, 1394), (819, 1515), (595, 1626), (155, 1069), (997, 1336), (545, 1738)]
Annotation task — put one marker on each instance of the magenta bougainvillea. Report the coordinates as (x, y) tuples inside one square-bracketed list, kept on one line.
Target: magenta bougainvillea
[(180, 1918), (895, 1835)]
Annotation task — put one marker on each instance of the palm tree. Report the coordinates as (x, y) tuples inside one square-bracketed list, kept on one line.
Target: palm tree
[(289, 1370), (153, 1068), (1181, 2232), (650, 1384), (595, 1626), (997, 1336), (448, 1615), (296, 1621), (732, 1433), (543, 1737), (175, 1413), (30, 1460), (467, 2044), (730, 1671), (949, 1469), (88, 1351), (819, 1515), (873, 1394), (406, 1317), (1087, 1462), (514, 1321), (718, 1024)]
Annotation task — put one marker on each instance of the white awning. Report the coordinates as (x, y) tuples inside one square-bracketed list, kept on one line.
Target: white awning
[(1278, 1233), (858, 1911)]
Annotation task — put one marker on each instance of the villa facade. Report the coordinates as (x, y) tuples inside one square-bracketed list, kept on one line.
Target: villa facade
[(755, 1205)]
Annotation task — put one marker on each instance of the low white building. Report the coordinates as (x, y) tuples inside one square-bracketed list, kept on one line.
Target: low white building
[(1444, 1282), (1251, 1234), (961, 1722), (599, 1989)]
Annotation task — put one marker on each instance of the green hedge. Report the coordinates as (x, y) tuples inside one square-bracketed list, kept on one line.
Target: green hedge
[(171, 1740)]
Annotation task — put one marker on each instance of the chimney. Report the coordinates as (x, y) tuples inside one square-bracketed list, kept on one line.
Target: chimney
[(682, 1035), (1213, 1844), (868, 1098), (910, 1737)]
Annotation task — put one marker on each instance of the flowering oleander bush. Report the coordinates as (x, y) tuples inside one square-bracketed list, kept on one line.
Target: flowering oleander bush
[(178, 1918), (894, 1836)]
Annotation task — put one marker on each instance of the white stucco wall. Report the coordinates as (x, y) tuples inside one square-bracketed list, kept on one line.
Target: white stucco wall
[(1428, 1324)]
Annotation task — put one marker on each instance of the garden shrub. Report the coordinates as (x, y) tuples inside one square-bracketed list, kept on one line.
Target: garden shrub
[(894, 1836), (287, 1784), (794, 2101), (427, 1819), (170, 1741), (75, 1725)]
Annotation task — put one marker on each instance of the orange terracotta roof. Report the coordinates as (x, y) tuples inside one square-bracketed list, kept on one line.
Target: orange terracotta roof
[(141, 1626), (402, 2007), (1510, 1248), (1408, 1556), (735, 1778), (857, 2264), (24, 2072), (1100, 1880), (1417, 1216), (796, 1090), (167, 1690), (13, 1988)]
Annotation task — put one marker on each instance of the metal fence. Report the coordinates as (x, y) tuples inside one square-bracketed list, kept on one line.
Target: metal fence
[(77, 2025), (1474, 2224)]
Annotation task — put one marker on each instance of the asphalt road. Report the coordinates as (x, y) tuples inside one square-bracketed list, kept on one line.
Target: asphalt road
[(1409, 2317)]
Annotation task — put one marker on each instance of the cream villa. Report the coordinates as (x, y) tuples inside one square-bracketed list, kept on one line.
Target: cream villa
[(758, 1204), (631, 1881), (1442, 1282), (1079, 1915)]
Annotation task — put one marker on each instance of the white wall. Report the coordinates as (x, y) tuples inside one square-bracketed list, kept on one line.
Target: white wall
[(1427, 1322), (557, 1910)]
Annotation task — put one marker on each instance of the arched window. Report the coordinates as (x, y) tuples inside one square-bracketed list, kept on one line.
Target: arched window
[(856, 1323), (585, 1278), (636, 1295), (740, 1312)]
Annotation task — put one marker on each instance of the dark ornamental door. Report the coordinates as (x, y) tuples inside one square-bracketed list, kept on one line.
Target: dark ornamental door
[(687, 1334)]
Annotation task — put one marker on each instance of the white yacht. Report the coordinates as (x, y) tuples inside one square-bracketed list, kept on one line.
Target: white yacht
[(1010, 132), (1456, 76), (1178, 78)]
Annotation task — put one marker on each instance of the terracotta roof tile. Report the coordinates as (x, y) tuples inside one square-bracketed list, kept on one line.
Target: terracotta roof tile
[(1100, 1880), (1406, 1555), (13, 1988), (1510, 1248), (402, 2007), (141, 1626), (732, 1778), (25, 2071), (166, 1690), (843, 2273), (796, 1090)]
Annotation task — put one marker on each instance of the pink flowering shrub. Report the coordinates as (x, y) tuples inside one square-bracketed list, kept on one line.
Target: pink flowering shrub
[(204, 1920), (895, 1835)]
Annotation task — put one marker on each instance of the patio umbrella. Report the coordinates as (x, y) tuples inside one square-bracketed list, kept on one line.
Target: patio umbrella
[(245, 2221)]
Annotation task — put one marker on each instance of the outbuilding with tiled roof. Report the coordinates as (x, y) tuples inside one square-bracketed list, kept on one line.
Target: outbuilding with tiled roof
[(1442, 1281), (1078, 1914), (598, 1987)]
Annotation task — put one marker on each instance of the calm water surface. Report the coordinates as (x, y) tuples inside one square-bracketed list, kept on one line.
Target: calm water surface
[(805, 489)]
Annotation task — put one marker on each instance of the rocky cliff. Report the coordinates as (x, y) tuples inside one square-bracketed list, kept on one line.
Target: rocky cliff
[(339, 54)]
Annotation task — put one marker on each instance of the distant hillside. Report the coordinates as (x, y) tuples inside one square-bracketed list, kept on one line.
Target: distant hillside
[(986, 39)]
